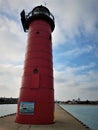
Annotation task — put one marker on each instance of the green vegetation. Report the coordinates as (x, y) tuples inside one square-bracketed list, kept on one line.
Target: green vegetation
[(11, 100), (87, 102)]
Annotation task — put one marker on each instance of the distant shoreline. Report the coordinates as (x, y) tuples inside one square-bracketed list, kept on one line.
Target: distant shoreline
[(78, 104), (11, 100), (87, 102), (4, 100)]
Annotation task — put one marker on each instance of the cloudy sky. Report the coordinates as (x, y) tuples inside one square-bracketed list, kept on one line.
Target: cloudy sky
[(75, 47)]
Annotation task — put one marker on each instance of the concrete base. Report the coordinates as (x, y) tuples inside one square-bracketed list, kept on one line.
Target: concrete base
[(63, 121)]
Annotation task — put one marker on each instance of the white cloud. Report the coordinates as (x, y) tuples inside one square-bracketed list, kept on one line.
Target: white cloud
[(12, 41), (10, 80), (75, 16), (58, 35), (78, 51), (70, 84)]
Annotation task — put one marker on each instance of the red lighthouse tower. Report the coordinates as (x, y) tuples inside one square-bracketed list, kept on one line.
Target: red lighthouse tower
[(36, 100)]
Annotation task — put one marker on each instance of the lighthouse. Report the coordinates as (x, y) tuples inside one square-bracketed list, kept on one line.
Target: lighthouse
[(36, 99)]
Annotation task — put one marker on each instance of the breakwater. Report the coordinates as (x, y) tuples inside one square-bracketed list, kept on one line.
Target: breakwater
[(62, 120)]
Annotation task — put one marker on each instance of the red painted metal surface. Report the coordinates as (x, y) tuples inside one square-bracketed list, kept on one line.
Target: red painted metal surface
[(37, 90)]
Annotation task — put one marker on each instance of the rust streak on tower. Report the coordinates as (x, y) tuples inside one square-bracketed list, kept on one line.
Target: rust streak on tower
[(36, 100)]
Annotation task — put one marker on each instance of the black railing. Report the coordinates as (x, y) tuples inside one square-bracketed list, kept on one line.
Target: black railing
[(37, 12)]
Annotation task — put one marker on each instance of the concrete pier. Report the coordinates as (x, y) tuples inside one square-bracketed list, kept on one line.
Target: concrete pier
[(63, 121)]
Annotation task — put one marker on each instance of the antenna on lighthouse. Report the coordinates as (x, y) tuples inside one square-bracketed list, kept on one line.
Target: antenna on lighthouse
[(45, 3)]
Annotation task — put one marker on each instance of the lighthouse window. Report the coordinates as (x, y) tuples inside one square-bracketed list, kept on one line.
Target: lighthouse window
[(37, 32), (50, 37), (35, 71)]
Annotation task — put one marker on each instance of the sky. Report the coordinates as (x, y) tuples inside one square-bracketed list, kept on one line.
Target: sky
[(75, 47)]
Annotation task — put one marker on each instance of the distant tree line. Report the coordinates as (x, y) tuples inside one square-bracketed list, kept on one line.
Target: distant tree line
[(11, 100), (78, 102)]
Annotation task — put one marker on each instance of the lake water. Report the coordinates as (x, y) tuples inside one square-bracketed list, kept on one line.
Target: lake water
[(88, 114), (6, 109)]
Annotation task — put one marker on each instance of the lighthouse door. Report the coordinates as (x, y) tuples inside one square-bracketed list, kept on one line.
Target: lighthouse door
[(35, 78)]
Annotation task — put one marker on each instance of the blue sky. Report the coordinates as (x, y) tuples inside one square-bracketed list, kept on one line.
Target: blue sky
[(75, 47)]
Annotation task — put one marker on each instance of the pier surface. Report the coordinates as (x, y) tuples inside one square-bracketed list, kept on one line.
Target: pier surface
[(63, 121)]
